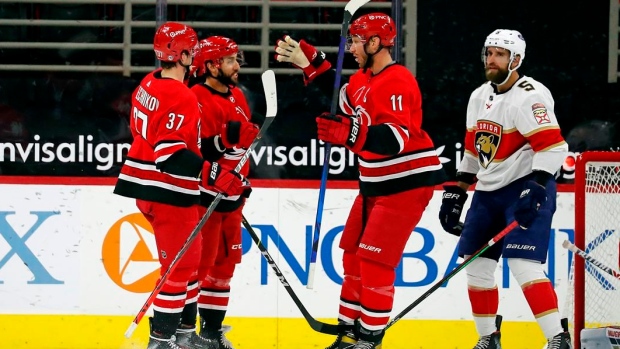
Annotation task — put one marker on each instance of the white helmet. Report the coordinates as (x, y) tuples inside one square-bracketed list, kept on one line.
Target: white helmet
[(510, 40)]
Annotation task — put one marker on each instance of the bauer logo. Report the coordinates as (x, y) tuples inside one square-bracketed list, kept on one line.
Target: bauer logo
[(129, 254)]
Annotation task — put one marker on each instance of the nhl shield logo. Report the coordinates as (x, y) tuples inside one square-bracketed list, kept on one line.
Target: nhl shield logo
[(488, 137)]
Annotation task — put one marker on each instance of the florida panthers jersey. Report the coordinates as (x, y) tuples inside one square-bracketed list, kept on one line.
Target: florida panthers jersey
[(164, 120), (216, 110), (393, 98), (511, 133)]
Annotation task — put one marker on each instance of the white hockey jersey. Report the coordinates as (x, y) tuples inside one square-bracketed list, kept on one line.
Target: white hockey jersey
[(511, 133)]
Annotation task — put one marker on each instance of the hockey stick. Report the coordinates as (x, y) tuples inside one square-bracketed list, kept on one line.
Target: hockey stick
[(314, 324), (269, 85), (456, 270), (349, 10), (581, 253)]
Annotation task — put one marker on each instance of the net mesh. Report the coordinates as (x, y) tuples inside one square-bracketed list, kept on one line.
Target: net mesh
[(602, 242)]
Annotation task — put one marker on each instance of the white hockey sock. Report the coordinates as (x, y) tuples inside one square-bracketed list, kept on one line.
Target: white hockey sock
[(550, 324), (485, 325)]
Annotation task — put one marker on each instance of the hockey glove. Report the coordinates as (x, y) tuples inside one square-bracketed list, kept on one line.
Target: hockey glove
[(342, 130), (226, 181), (452, 202), (239, 134), (532, 197), (303, 56)]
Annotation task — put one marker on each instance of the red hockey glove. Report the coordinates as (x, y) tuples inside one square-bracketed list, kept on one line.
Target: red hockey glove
[(224, 180), (239, 134), (303, 56), (342, 130)]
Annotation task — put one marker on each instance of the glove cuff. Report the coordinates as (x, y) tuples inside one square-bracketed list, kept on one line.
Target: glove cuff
[(542, 177), (316, 68), (357, 135)]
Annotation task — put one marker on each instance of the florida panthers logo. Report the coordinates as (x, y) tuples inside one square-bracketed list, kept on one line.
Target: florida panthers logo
[(488, 138)]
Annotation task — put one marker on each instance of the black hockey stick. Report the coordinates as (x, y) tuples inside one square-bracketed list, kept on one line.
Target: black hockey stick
[(314, 323), (349, 10), (269, 85), (456, 270)]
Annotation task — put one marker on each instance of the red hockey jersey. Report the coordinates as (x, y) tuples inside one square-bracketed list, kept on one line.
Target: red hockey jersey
[(393, 98), (216, 110), (164, 119)]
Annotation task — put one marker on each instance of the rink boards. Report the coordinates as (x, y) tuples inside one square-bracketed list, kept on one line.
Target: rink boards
[(77, 263)]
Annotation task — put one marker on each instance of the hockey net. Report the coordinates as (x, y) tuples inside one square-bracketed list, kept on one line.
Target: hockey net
[(593, 297)]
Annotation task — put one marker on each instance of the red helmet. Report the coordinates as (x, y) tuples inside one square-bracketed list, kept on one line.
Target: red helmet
[(213, 49), (171, 39), (374, 24)]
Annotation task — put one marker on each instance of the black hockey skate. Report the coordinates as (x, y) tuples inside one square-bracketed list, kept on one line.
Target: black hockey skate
[(491, 341), (157, 342), (188, 338), (345, 340), (561, 340), (218, 337)]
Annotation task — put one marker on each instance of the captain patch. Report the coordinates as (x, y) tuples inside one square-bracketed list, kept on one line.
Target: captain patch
[(540, 113)]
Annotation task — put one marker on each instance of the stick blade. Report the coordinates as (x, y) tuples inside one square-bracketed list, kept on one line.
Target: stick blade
[(354, 5), (271, 96)]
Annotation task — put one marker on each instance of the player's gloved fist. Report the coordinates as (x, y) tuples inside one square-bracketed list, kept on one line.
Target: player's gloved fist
[(239, 134), (452, 202), (342, 130), (224, 180), (303, 56), (532, 197)]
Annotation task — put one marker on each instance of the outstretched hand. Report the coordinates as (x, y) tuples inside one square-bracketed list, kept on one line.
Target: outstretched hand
[(303, 56)]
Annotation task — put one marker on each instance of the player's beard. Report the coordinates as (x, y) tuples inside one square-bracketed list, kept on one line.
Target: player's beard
[(496, 76), (227, 80)]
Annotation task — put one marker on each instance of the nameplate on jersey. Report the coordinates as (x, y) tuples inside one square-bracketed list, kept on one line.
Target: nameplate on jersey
[(488, 138)]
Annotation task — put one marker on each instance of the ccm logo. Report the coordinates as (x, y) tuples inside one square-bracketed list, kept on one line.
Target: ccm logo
[(236, 247)]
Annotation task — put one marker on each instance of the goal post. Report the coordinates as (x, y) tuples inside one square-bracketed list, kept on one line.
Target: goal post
[(595, 295)]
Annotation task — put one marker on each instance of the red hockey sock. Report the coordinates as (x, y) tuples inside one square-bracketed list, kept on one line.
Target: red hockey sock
[(543, 301), (377, 295), (350, 291), (484, 304)]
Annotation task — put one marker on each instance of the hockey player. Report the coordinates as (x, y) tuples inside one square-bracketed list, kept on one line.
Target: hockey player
[(398, 168), (227, 133), (513, 149), (163, 170)]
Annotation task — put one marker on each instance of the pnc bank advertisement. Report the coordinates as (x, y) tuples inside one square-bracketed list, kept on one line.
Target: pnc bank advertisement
[(80, 253)]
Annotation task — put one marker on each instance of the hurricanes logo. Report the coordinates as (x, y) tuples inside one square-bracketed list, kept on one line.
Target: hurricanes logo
[(129, 254), (488, 137)]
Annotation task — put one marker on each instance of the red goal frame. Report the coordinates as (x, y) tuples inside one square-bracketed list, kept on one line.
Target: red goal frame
[(580, 226)]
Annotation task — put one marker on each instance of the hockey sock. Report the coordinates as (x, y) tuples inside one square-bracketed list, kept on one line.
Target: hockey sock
[(483, 294), (169, 303), (190, 311), (214, 296), (349, 309), (377, 297), (484, 304), (544, 304)]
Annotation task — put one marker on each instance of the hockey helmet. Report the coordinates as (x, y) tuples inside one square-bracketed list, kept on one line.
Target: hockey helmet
[(510, 40), (213, 49), (171, 39), (374, 24)]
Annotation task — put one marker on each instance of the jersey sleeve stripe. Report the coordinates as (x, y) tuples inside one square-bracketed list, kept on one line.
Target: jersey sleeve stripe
[(401, 134)]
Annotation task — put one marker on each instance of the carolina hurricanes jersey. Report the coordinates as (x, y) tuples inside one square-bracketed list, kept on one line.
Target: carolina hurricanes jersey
[(165, 119), (511, 133), (393, 98), (216, 110)]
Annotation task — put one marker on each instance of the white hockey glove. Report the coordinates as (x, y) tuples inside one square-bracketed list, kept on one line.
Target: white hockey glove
[(302, 55)]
